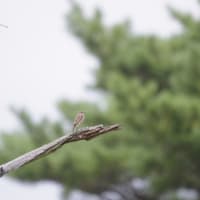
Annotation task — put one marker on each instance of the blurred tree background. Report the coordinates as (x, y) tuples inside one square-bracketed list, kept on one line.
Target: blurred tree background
[(151, 86)]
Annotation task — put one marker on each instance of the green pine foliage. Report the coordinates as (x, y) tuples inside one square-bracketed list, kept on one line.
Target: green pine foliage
[(151, 86)]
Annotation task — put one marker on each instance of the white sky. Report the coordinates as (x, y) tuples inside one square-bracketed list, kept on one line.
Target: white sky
[(42, 63), (15, 190)]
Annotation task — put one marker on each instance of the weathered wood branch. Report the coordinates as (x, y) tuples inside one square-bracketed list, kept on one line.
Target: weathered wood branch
[(82, 134)]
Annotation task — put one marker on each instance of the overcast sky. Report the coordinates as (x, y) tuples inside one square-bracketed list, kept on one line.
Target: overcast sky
[(41, 62)]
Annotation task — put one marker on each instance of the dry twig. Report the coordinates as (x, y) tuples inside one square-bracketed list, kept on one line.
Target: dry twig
[(82, 134), (3, 25)]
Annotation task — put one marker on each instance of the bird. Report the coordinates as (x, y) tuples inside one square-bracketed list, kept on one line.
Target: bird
[(78, 120)]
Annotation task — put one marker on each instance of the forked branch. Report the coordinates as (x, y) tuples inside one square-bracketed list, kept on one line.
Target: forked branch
[(82, 134)]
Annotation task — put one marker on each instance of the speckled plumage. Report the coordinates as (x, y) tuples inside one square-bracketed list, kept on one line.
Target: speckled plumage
[(78, 120)]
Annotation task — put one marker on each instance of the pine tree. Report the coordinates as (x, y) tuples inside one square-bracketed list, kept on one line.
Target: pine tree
[(150, 86)]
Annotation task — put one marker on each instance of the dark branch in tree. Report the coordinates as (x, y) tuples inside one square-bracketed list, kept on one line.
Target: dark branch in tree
[(82, 134)]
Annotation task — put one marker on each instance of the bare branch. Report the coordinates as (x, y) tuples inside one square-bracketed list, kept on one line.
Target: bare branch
[(3, 25), (82, 134)]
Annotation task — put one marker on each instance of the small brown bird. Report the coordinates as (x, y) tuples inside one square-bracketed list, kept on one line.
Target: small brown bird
[(78, 120)]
